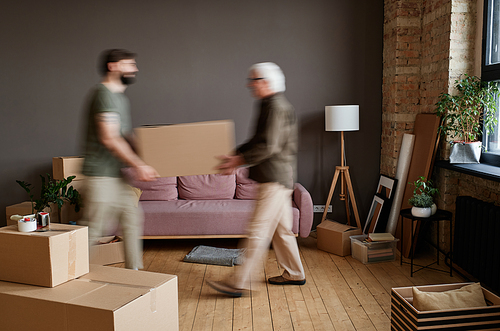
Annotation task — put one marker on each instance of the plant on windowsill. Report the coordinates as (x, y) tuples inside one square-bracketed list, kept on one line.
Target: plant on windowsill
[(423, 198), (53, 192), (464, 115)]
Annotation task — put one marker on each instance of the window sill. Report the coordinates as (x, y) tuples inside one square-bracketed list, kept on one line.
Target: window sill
[(481, 170)]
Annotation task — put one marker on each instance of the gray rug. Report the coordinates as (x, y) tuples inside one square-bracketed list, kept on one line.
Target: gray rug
[(214, 255)]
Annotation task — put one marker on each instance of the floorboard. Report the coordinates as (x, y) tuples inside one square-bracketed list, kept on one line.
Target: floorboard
[(341, 293)]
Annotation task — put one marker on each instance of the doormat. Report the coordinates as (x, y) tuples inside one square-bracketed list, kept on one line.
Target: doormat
[(215, 255)]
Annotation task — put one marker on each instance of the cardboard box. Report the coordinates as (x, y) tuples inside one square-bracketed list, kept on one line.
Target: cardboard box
[(23, 208), (44, 258), (405, 317), (107, 251), (372, 252), (106, 299), (333, 237), (185, 149), (65, 166)]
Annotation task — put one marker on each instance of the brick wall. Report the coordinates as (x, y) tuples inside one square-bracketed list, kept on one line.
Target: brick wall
[(427, 46)]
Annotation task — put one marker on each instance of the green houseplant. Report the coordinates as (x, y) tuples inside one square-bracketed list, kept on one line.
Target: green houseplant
[(423, 197), (53, 192), (464, 114)]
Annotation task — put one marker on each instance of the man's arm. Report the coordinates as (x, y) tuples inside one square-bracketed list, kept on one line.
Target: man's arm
[(230, 163), (108, 131)]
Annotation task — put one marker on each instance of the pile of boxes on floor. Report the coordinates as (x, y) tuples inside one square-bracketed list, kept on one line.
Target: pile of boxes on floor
[(341, 239), (47, 283)]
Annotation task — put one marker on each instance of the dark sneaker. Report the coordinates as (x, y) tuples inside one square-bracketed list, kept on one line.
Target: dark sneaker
[(225, 289), (279, 280)]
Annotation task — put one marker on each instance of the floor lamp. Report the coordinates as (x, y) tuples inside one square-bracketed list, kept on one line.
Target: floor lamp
[(342, 118)]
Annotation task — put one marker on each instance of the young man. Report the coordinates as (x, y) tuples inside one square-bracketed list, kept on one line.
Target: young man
[(107, 149), (272, 154)]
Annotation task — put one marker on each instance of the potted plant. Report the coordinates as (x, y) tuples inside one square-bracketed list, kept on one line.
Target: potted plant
[(53, 192), (423, 198), (464, 115)]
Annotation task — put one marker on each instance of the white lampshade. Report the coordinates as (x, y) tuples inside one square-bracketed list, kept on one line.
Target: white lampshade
[(342, 118)]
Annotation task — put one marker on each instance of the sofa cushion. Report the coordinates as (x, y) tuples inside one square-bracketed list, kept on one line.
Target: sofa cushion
[(207, 187), (246, 188), (469, 296), (161, 189)]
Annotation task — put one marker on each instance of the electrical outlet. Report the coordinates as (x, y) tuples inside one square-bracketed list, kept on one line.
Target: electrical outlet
[(321, 208)]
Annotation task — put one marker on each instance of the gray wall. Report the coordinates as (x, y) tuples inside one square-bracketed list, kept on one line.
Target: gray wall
[(193, 57)]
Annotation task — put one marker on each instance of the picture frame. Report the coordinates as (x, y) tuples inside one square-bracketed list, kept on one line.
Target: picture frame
[(374, 214), (386, 187)]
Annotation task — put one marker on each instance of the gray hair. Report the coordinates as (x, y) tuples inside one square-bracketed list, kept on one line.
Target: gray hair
[(272, 73)]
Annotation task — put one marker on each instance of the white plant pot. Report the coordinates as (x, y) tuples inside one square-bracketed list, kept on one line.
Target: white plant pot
[(434, 209), (421, 212), (466, 152)]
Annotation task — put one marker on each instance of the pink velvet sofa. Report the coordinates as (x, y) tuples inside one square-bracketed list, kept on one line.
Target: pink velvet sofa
[(210, 206)]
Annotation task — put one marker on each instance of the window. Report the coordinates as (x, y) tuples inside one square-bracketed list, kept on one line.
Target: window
[(491, 70)]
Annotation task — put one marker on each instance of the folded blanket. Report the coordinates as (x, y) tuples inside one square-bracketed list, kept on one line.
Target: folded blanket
[(214, 255)]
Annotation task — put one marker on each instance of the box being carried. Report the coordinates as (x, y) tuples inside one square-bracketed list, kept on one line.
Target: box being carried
[(375, 251), (404, 316), (44, 258), (185, 149), (333, 237), (106, 299)]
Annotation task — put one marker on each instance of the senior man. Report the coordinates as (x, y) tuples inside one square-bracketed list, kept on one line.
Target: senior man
[(272, 155)]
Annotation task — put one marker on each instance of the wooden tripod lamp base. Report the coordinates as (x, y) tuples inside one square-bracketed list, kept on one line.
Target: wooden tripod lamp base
[(342, 118), (344, 172)]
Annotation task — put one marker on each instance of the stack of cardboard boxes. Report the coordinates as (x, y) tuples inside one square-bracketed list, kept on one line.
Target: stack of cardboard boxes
[(46, 283)]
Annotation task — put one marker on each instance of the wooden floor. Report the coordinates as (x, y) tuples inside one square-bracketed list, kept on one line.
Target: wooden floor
[(341, 293)]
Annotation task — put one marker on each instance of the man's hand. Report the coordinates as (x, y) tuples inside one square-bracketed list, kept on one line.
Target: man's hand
[(146, 173), (230, 163)]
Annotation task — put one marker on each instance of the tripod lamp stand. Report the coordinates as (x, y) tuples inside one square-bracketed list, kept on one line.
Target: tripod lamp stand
[(342, 118)]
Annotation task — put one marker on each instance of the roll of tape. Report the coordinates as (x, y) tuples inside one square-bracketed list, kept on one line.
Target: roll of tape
[(27, 225)]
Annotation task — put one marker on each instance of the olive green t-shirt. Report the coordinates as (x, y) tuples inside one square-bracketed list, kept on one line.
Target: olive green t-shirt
[(98, 159)]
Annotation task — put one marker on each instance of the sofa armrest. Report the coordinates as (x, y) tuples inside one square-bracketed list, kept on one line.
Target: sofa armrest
[(304, 203)]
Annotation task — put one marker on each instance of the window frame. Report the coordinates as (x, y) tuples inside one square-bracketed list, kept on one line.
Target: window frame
[(489, 72)]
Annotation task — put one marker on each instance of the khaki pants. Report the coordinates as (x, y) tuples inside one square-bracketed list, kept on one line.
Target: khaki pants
[(272, 221), (110, 200)]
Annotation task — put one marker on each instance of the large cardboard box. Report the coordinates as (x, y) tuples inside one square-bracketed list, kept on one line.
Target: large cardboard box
[(65, 166), (185, 149), (110, 250), (106, 299), (333, 237), (44, 258), (405, 317)]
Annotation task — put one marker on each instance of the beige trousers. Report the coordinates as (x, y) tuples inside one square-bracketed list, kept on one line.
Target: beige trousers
[(110, 200), (272, 221)]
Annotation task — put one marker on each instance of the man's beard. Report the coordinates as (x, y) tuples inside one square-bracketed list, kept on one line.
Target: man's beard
[(127, 80)]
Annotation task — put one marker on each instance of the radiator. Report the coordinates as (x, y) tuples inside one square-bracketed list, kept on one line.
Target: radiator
[(476, 247)]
